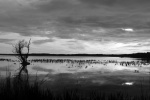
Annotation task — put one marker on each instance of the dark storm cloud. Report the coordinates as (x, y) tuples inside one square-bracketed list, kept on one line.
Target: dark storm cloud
[(20, 22), (113, 21), (65, 16), (51, 5), (115, 2)]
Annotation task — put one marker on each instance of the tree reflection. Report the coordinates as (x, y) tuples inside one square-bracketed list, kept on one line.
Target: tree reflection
[(21, 49)]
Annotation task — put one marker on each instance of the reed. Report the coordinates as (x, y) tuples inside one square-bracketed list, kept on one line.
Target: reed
[(11, 88)]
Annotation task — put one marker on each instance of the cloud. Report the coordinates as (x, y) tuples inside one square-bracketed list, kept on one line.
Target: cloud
[(30, 20), (116, 2), (52, 5), (39, 42), (100, 2), (115, 20), (128, 29), (75, 45), (100, 21), (6, 41)]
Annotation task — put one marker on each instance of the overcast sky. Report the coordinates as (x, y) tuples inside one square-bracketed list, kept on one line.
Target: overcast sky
[(76, 26)]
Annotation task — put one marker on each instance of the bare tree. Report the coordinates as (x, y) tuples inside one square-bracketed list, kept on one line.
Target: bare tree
[(21, 49)]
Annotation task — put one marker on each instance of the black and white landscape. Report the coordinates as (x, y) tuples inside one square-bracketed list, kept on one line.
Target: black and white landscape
[(75, 49)]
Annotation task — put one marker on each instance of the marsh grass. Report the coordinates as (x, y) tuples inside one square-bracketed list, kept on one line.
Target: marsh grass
[(11, 88)]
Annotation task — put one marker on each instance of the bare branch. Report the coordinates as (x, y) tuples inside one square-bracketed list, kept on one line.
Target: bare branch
[(28, 47), (18, 49)]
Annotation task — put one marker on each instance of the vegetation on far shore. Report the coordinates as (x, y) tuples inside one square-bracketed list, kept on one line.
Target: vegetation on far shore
[(133, 55)]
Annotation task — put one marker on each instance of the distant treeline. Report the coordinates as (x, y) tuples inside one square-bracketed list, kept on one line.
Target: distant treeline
[(134, 55)]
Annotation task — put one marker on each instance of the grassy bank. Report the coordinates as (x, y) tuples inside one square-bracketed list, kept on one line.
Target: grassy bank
[(11, 88)]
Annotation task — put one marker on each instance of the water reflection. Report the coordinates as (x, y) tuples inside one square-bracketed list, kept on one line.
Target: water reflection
[(128, 83), (95, 70), (73, 65)]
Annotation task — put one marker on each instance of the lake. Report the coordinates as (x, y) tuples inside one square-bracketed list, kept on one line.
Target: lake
[(82, 70)]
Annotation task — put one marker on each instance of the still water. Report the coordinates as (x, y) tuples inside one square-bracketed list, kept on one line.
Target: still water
[(99, 70)]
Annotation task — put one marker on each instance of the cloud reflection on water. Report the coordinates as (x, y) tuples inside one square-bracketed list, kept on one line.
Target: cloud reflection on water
[(85, 72), (38, 68)]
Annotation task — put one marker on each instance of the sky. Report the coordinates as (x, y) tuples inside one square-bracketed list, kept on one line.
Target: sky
[(76, 26)]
